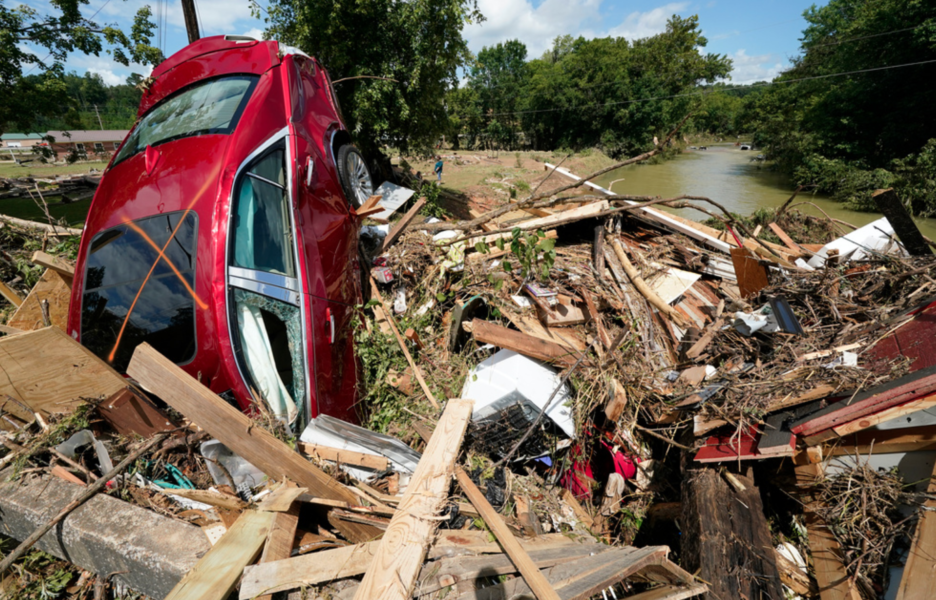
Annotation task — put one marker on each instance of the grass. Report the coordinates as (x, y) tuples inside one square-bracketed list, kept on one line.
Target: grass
[(74, 213), (11, 169)]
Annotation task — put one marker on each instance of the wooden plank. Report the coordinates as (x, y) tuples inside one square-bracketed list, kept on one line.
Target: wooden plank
[(214, 576), (885, 441), (235, 430), (831, 577), (752, 275), (53, 288), (886, 415), (400, 226), (919, 574), (370, 203), (212, 498), (279, 542), (130, 413), (528, 569), (786, 239), (591, 209), (490, 333), (350, 561), (281, 499), (50, 372), (345, 457), (776, 438), (364, 213), (10, 294), (10, 330), (906, 229), (59, 265), (820, 391), (671, 592), (530, 325), (403, 548)]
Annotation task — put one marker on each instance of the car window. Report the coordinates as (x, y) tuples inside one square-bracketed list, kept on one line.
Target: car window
[(212, 106), (133, 294), (262, 235)]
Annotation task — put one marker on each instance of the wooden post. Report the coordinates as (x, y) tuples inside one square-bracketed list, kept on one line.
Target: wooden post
[(191, 20), (892, 208)]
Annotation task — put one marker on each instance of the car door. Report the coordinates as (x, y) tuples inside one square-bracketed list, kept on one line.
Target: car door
[(267, 317), (328, 238)]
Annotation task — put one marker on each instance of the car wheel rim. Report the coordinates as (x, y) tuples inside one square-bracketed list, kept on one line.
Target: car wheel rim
[(360, 179)]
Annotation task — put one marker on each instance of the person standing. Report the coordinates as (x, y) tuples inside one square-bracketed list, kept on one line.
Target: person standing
[(438, 168)]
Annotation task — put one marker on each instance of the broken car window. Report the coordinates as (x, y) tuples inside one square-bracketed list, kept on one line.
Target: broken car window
[(262, 238), (212, 106), (133, 295)]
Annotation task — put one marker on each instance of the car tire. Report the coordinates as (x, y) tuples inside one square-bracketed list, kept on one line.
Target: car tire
[(355, 176)]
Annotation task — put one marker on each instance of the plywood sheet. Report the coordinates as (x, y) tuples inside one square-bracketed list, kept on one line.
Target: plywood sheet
[(51, 287)]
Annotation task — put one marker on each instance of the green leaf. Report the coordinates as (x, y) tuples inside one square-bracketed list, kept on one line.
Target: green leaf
[(441, 297), (547, 244), (500, 244)]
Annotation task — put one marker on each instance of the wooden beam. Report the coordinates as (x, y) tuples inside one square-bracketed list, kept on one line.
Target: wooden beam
[(518, 556), (403, 548), (345, 457), (59, 265), (906, 229), (863, 423), (400, 226), (368, 204), (919, 575), (235, 430), (885, 441), (214, 576), (281, 499), (279, 542), (11, 295), (527, 345), (786, 239)]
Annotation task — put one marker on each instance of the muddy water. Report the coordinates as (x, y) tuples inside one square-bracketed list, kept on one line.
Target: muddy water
[(728, 176)]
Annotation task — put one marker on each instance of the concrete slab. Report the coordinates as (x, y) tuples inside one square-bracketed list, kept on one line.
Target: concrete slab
[(104, 535)]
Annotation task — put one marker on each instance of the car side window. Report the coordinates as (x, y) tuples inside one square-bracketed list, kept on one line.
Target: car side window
[(262, 234)]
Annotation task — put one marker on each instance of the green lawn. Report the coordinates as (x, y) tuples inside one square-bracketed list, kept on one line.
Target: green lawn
[(11, 169), (74, 213)]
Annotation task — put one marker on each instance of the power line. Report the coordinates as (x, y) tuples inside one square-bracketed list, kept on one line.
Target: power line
[(690, 94)]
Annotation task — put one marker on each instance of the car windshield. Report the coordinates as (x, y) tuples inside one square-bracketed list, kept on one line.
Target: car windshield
[(212, 106), (139, 287)]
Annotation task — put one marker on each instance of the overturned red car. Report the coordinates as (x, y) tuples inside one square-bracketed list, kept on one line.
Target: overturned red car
[(223, 231)]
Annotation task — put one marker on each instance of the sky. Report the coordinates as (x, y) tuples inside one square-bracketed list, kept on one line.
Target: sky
[(760, 36)]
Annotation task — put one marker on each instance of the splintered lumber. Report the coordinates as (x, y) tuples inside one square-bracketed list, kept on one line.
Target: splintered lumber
[(86, 495), (350, 561), (645, 290), (235, 430), (59, 265), (863, 423), (820, 391), (10, 294), (214, 576), (885, 441), (726, 541), (830, 573), (919, 574), (518, 556), (281, 499), (346, 457), (403, 548), (400, 226), (53, 288), (131, 413), (212, 498), (279, 542), (527, 345), (50, 372)]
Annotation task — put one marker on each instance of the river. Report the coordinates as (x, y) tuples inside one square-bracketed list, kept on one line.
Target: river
[(728, 176)]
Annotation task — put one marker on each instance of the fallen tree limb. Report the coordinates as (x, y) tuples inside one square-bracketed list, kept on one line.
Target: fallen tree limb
[(644, 289), (91, 490), (42, 226)]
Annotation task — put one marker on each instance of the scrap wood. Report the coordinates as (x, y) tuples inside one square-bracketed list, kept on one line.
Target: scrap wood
[(350, 561), (279, 542), (384, 314), (55, 263), (213, 498), (85, 495), (400, 226), (862, 423), (53, 229), (345, 457), (235, 430), (403, 548), (886, 441), (786, 239), (502, 337), (214, 576), (795, 578), (751, 274), (11, 295), (129, 412), (644, 289), (281, 499), (829, 352), (528, 569)]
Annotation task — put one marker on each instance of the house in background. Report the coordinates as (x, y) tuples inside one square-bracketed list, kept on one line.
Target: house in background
[(20, 140), (87, 143)]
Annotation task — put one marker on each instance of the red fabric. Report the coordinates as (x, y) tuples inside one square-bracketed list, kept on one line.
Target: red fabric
[(579, 478)]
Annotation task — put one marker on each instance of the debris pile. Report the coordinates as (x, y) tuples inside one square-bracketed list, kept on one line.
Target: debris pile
[(569, 396)]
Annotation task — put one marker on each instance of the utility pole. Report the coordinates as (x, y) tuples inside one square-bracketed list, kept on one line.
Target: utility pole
[(98, 117), (191, 20)]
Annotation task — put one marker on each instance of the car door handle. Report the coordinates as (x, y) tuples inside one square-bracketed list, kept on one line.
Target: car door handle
[(330, 325), (310, 167)]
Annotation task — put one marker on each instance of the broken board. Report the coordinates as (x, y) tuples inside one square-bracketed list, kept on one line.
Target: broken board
[(53, 288)]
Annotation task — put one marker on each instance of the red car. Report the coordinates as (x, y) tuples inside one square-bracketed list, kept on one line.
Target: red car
[(223, 232)]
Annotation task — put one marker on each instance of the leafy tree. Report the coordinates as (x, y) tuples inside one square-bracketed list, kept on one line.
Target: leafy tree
[(498, 77), (41, 90), (418, 44)]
